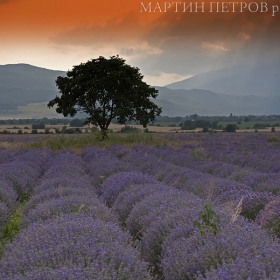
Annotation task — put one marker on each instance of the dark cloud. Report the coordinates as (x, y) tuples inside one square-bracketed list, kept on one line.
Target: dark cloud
[(187, 42), (122, 31), (3, 2), (197, 42)]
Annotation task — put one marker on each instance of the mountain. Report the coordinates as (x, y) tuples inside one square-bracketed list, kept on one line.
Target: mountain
[(183, 102), (257, 79), (21, 84)]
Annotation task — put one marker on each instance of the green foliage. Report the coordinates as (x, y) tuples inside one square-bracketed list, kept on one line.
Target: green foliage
[(208, 221), (106, 89), (275, 228), (66, 130), (40, 125), (128, 129), (252, 213), (189, 125), (193, 124), (77, 123), (261, 125), (272, 138), (231, 127), (81, 141), (48, 130), (5, 131), (198, 154), (11, 227)]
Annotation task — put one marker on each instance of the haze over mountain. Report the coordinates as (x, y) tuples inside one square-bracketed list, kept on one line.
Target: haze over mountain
[(183, 102), (245, 80), (22, 84)]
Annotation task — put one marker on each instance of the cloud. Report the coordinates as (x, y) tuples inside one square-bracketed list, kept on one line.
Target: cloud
[(213, 46), (4, 2), (244, 36), (183, 43), (162, 78), (120, 31), (198, 42)]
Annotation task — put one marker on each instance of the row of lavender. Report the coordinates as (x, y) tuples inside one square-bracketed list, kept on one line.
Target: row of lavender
[(164, 217), (249, 150), (206, 186), (159, 208), (20, 170), (66, 231)]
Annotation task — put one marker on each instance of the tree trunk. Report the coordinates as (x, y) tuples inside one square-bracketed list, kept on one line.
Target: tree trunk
[(103, 133)]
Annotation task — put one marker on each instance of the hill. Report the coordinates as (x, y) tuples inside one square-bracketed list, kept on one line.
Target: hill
[(205, 102), (244, 80), (21, 84)]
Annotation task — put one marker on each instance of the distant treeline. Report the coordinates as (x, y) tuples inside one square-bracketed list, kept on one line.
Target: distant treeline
[(193, 124), (78, 122), (36, 121), (230, 118)]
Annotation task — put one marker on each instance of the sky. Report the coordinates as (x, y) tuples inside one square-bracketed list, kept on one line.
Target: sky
[(168, 41)]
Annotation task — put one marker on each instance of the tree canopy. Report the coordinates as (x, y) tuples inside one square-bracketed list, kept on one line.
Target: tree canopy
[(106, 89)]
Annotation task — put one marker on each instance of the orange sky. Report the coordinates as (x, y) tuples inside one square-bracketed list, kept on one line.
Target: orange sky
[(58, 34)]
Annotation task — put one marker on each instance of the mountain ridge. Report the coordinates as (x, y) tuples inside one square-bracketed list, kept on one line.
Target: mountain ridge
[(253, 79), (22, 84)]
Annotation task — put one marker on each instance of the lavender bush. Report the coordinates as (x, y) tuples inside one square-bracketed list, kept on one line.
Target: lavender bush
[(115, 184), (134, 194), (269, 218), (69, 204), (79, 188), (262, 266), (157, 206), (105, 166), (157, 194), (72, 243), (8, 195), (187, 258), (4, 214)]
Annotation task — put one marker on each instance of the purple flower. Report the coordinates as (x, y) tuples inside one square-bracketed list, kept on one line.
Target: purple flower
[(117, 183), (73, 244), (134, 194), (69, 204), (157, 206), (4, 214)]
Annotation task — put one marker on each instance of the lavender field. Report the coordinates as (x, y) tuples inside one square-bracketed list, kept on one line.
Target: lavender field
[(195, 206)]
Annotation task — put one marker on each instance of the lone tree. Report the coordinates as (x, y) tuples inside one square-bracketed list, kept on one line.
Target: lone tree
[(231, 127), (106, 89)]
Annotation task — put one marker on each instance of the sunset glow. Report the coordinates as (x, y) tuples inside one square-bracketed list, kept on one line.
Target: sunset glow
[(159, 40)]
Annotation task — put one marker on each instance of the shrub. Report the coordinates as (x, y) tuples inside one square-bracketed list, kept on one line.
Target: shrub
[(38, 126), (208, 221), (77, 123), (272, 138), (34, 131), (128, 128), (231, 128)]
